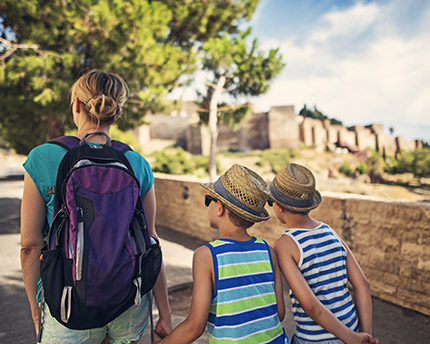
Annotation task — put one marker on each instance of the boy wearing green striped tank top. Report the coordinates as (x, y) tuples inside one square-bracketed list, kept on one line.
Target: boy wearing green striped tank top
[(237, 290)]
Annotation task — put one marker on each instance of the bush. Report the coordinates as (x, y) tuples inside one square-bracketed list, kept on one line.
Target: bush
[(376, 166), (416, 162), (175, 160), (277, 159), (362, 168), (346, 169)]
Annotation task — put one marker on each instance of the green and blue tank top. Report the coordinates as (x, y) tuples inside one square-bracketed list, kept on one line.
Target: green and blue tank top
[(323, 265), (244, 307)]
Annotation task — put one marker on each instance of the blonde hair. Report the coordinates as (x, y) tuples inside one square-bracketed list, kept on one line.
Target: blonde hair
[(102, 94)]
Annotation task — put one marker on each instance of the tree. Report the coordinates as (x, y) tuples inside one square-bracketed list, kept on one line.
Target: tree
[(237, 70), (46, 45), (305, 112)]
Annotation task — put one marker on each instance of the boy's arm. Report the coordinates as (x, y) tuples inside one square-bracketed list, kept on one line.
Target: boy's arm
[(194, 325), (362, 293), (279, 292), (286, 249)]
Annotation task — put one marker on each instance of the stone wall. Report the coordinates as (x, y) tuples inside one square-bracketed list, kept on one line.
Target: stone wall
[(365, 138), (252, 134), (283, 128), (391, 240), (279, 128)]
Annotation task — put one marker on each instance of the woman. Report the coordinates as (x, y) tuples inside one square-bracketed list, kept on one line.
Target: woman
[(97, 99)]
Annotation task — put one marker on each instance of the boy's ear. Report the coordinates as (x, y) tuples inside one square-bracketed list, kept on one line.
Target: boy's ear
[(280, 208), (221, 209)]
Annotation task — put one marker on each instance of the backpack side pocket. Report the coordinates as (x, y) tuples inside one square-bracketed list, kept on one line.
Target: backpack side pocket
[(53, 271)]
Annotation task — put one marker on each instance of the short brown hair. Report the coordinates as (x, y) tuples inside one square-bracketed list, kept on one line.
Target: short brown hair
[(238, 221)]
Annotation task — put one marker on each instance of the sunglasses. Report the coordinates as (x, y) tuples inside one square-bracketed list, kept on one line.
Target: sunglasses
[(269, 202), (209, 199)]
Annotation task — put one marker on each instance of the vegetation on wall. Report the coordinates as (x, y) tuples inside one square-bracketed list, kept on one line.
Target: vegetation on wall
[(316, 114), (416, 162)]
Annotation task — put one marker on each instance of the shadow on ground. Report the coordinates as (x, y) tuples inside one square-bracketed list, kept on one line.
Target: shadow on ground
[(9, 215), (16, 325)]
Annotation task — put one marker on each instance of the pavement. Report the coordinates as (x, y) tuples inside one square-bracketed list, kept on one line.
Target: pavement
[(392, 324)]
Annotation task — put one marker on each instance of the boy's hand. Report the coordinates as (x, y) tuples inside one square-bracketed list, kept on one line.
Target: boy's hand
[(363, 338), (156, 338)]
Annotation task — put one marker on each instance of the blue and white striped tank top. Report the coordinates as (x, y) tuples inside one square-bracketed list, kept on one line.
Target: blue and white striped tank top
[(244, 307), (323, 265)]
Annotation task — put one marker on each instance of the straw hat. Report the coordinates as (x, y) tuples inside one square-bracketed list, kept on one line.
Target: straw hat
[(294, 189), (243, 192)]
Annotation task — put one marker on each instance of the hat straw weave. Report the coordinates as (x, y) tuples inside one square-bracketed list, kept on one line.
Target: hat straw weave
[(294, 188), (243, 192)]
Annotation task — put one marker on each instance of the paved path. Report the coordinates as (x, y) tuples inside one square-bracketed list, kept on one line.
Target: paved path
[(392, 324)]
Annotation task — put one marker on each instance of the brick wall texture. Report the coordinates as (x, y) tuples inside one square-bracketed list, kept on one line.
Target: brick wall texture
[(390, 240)]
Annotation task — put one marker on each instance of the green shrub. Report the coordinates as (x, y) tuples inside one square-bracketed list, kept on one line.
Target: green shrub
[(376, 166), (346, 168), (416, 162), (362, 168), (175, 160), (277, 159)]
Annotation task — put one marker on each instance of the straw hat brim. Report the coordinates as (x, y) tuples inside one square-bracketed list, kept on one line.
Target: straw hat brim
[(316, 203), (236, 210)]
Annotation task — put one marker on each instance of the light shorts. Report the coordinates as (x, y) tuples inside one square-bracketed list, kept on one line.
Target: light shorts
[(126, 328)]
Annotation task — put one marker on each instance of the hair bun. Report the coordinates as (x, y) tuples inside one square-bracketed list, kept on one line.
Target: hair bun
[(104, 108)]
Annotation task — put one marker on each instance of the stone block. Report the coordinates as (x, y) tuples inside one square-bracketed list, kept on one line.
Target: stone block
[(283, 127), (420, 299)]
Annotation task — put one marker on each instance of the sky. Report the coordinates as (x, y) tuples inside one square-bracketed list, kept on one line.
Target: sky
[(361, 62)]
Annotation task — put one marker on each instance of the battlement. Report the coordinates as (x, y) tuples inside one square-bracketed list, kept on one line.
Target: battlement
[(278, 128)]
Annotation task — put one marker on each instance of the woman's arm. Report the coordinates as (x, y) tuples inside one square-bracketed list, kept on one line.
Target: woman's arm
[(33, 213), (361, 290), (164, 324), (194, 325), (285, 249), (279, 292)]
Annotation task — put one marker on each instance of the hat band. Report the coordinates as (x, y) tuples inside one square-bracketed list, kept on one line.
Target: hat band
[(284, 199), (222, 191)]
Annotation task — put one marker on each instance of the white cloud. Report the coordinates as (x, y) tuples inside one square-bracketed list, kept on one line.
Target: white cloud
[(350, 22), (355, 66)]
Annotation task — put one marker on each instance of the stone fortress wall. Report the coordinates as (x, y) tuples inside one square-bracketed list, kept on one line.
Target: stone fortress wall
[(279, 128)]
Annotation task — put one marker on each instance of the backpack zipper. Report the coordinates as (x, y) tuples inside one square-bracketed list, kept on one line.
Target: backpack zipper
[(80, 244)]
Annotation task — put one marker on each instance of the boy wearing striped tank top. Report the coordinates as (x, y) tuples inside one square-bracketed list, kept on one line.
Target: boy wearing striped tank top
[(237, 290), (317, 264)]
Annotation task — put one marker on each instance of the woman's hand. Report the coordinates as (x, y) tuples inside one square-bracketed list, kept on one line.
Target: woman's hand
[(163, 327)]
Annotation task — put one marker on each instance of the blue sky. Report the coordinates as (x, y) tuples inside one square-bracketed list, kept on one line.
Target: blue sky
[(358, 61)]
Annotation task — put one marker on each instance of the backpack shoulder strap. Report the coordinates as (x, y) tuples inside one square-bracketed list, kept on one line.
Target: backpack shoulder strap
[(120, 146), (67, 142)]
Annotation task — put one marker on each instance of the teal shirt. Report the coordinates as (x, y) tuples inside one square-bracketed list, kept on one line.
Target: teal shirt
[(43, 161)]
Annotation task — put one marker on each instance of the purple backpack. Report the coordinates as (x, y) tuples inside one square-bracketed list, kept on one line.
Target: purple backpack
[(99, 258)]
